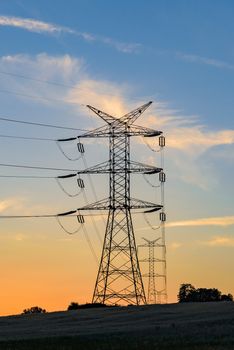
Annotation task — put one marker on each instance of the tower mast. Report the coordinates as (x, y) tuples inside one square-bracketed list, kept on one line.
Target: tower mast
[(119, 277)]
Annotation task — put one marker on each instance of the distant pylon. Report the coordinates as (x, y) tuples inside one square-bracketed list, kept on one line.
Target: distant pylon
[(157, 272), (152, 274), (119, 277)]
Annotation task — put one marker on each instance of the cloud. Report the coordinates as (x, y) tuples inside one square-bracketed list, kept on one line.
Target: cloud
[(204, 60), (186, 134), (102, 94), (11, 203), (212, 221), (32, 25), (175, 245), (40, 27), (220, 241), (187, 140)]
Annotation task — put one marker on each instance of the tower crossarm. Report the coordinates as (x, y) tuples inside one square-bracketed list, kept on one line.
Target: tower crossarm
[(109, 119), (135, 167), (104, 204), (107, 131), (132, 116), (128, 118)]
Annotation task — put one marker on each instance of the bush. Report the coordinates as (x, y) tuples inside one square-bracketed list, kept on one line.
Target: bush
[(34, 310), (73, 306)]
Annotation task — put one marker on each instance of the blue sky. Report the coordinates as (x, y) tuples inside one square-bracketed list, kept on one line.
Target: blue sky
[(119, 55)]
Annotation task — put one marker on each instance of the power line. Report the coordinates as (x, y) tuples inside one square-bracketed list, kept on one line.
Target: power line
[(40, 124), (56, 83), (27, 138), (40, 80), (39, 97), (28, 177), (35, 167)]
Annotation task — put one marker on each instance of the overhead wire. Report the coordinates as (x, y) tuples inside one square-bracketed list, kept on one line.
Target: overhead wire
[(36, 167), (149, 146), (149, 223), (90, 243), (39, 97), (150, 183), (6, 119), (63, 152), (66, 230), (56, 83), (27, 138), (65, 191), (39, 80)]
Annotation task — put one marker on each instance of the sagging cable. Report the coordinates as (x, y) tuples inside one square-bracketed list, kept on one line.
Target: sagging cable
[(63, 152), (149, 224), (71, 195), (66, 230), (150, 147), (149, 183)]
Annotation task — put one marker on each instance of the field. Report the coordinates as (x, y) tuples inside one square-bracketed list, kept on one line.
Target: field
[(206, 326)]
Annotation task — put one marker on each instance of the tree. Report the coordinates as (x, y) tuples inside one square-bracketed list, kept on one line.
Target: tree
[(227, 297), (34, 310), (186, 292), (73, 306)]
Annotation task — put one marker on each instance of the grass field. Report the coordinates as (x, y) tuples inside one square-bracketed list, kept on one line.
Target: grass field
[(206, 326)]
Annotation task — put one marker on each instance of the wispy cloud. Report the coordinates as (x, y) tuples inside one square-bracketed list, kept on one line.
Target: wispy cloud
[(175, 245), (187, 140), (32, 25), (220, 241), (11, 203), (212, 221), (36, 26), (204, 60)]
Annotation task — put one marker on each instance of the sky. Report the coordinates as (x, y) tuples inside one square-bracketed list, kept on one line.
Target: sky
[(115, 56)]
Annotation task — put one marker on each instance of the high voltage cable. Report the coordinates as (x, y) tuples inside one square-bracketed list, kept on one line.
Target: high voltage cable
[(40, 80), (27, 138), (71, 86), (55, 215), (39, 97), (35, 167), (41, 124), (28, 177)]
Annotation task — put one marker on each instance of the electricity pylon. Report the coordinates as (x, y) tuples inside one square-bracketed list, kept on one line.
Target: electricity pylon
[(152, 274), (119, 278)]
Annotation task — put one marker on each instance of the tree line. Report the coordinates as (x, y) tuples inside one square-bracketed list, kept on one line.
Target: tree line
[(188, 293)]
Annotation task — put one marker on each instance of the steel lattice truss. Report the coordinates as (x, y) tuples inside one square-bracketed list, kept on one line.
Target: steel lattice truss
[(119, 279), (152, 274)]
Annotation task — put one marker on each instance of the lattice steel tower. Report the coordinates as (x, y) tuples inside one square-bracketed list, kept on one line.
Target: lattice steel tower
[(119, 278), (152, 294)]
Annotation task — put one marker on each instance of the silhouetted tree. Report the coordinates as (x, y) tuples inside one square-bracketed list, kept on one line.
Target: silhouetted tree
[(73, 306), (186, 293), (226, 297), (207, 294), (34, 310)]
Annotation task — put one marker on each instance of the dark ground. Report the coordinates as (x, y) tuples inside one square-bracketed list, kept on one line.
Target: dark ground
[(203, 326)]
